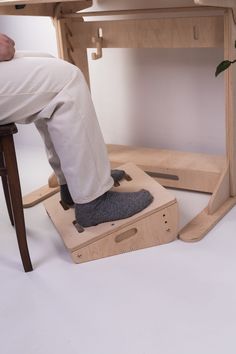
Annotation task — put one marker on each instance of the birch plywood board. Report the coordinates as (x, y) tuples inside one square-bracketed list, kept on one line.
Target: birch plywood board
[(159, 3), (189, 32), (139, 231), (193, 171)]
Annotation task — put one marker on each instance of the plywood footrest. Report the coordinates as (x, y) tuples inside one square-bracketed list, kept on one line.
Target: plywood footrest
[(198, 227), (157, 224)]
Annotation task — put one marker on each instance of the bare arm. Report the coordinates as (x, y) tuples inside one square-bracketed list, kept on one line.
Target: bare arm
[(7, 48)]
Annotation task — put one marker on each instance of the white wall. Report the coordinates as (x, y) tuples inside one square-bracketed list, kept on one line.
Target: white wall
[(153, 97)]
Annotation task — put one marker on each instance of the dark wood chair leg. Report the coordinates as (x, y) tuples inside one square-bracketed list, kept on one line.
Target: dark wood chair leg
[(7, 198), (6, 190), (15, 192)]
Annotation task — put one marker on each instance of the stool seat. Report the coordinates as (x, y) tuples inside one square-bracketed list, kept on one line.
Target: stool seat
[(7, 129), (12, 189)]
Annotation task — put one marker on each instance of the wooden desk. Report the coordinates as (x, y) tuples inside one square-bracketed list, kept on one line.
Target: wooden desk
[(180, 24)]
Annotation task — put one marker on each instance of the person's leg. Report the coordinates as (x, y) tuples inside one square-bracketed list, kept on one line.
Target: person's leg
[(66, 198), (55, 92), (26, 101), (53, 158)]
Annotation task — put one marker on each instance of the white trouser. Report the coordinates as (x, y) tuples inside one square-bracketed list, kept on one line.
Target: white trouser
[(54, 95)]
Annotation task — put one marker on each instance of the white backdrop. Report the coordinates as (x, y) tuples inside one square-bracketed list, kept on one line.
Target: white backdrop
[(167, 98)]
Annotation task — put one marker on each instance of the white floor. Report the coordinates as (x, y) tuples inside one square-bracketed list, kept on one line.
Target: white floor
[(178, 298)]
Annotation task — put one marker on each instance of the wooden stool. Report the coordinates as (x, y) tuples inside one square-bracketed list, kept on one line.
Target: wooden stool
[(12, 189)]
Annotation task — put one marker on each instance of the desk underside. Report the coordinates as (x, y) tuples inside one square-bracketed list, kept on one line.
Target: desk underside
[(50, 7)]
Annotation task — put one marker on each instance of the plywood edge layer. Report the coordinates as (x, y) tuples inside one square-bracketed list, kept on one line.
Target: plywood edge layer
[(167, 3), (176, 169), (31, 2), (216, 3), (46, 9), (42, 7)]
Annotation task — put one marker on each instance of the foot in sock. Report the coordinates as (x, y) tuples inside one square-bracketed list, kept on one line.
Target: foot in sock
[(66, 198), (112, 206)]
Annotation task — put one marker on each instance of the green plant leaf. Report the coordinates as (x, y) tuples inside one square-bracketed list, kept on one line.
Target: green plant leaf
[(222, 66)]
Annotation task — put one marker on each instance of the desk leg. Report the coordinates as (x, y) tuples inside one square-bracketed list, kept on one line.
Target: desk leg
[(197, 228), (219, 205), (68, 50), (230, 99), (224, 196)]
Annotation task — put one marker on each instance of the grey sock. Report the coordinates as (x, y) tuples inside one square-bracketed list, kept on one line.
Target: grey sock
[(112, 206), (66, 198)]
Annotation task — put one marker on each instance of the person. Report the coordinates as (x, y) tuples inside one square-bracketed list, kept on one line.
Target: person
[(53, 94)]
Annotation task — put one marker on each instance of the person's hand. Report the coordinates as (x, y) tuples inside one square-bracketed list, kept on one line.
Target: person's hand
[(7, 48)]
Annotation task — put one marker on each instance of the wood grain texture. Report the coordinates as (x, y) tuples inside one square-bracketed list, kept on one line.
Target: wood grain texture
[(230, 91), (221, 192), (152, 33), (38, 196), (192, 171)]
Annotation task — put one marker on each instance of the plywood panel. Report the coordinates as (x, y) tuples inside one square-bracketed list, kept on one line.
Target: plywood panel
[(186, 170), (156, 224), (191, 32)]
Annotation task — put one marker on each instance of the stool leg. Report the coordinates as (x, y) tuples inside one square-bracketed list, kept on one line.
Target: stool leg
[(7, 198), (6, 191), (16, 198)]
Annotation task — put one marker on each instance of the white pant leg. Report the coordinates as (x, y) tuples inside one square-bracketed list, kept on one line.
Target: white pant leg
[(41, 125), (42, 88), (53, 158)]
